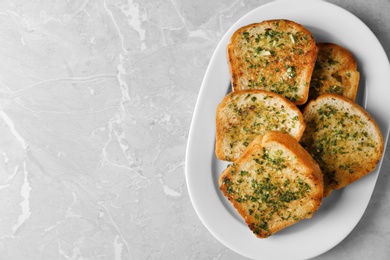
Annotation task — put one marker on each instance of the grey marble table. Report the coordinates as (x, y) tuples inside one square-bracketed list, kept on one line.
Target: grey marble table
[(96, 101)]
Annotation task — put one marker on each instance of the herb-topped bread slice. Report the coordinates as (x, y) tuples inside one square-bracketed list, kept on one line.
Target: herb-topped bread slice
[(274, 55), (242, 115), (335, 72), (274, 184), (343, 138)]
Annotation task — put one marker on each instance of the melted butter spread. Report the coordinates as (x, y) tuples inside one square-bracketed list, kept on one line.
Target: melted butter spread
[(264, 188), (255, 115), (338, 140), (270, 58)]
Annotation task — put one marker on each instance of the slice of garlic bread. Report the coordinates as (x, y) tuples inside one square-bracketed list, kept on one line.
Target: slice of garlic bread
[(244, 114), (274, 55), (343, 138), (335, 72), (274, 184)]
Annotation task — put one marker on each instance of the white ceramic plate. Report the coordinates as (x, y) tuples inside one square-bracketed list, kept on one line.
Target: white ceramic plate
[(341, 211)]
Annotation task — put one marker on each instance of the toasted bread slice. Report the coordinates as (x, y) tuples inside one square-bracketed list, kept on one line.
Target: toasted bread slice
[(274, 55), (343, 138), (244, 114), (274, 184), (335, 72)]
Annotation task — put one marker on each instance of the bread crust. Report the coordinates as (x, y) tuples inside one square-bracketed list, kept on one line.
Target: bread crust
[(335, 72), (274, 55), (266, 215), (244, 114), (343, 138)]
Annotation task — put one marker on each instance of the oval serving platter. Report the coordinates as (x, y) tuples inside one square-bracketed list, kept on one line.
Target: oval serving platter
[(342, 210)]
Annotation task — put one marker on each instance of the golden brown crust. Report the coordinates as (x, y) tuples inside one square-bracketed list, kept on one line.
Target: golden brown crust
[(274, 55), (288, 188), (244, 114), (335, 72), (343, 138)]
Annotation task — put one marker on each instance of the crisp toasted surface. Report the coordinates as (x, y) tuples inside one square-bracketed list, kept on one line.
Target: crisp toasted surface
[(244, 114), (274, 55), (343, 138), (274, 184), (335, 72)]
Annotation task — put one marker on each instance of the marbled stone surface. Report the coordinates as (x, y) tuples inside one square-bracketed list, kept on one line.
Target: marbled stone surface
[(96, 101)]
